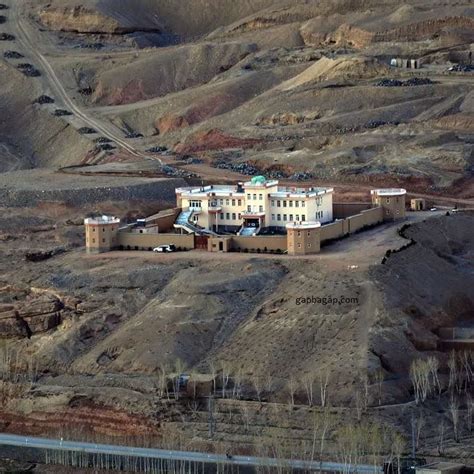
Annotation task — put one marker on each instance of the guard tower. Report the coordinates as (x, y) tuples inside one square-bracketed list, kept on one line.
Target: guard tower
[(392, 202), (101, 233), (303, 238)]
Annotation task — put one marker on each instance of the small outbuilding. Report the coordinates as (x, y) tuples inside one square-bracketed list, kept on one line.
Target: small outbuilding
[(418, 204), (441, 468)]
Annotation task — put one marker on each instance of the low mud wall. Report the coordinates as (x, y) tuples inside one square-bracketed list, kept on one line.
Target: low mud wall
[(129, 241), (276, 242), (342, 210), (338, 229)]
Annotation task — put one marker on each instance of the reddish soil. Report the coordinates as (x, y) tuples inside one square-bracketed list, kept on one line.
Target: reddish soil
[(92, 419), (213, 140)]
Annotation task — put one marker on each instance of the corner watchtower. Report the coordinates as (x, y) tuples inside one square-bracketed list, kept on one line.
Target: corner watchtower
[(303, 238), (101, 233), (392, 201)]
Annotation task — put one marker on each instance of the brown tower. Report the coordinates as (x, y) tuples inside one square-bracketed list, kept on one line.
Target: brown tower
[(392, 202), (101, 233), (303, 238)]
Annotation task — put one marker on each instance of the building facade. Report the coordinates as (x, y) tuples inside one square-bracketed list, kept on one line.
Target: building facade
[(101, 233), (303, 238), (392, 201), (254, 205)]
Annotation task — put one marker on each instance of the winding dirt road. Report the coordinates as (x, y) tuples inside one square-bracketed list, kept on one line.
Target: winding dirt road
[(107, 130)]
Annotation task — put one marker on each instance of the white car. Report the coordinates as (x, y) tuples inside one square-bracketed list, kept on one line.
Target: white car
[(165, 248)]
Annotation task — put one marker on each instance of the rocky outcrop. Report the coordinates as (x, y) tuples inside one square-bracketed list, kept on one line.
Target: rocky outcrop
[(347, 35), (424, 30), (80, 19), (35, 313), (287, 118)]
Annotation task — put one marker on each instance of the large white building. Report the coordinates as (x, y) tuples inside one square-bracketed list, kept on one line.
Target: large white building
[(254, 205)]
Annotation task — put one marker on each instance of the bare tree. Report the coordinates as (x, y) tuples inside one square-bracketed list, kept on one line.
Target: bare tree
[(399, 446), (308, 381), (291, 390), (454, 412), (469, 406), (441, 433), (323, 385)]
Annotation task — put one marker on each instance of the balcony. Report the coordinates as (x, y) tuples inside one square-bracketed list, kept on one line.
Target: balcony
[(253, 214)]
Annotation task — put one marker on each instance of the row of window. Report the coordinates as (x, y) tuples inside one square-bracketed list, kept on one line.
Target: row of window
[(290, 203), (249, 197), (103, 229), (228, 215), (278, 217), (93, 241), (235, 202)]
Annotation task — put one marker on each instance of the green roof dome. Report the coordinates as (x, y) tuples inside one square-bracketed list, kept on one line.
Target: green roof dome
[(258, 180)]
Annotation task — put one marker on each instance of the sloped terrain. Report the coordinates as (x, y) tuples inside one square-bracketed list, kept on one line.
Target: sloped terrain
[(254, 317)]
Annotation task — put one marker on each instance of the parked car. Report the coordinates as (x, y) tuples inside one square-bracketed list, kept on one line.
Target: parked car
[(165, 248)]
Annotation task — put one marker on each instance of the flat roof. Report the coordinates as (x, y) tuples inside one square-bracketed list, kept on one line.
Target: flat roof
[(389, 192), (441, 466), (303, 225), (226, 190), (101, 220)]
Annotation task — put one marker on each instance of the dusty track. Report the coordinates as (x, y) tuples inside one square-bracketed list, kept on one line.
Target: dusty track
[(22, 30)]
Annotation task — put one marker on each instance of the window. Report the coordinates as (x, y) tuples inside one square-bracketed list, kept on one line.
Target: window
[(260, 208), (273, 217), (249, 208), (93, 229), (285, 217), (255, 197), (221, 201), (309, 233), (239, 202), (273, 202), (240, 216), (284, 203), (93, 241), (309, 246), (291, 217), (299, 246), (299, 233), (303, 218), (222, 215), (103, 229), (249, 197), (297, 217), (234, 216), (260, 197), (278, 203), (290, 203), (388, 200), (279, 217), (195, 204), (302, 203), (103, 241), (227, 216), (297, 204), (227, 202)]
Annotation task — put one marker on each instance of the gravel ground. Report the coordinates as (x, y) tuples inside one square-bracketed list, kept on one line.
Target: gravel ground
[(28, 188)]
